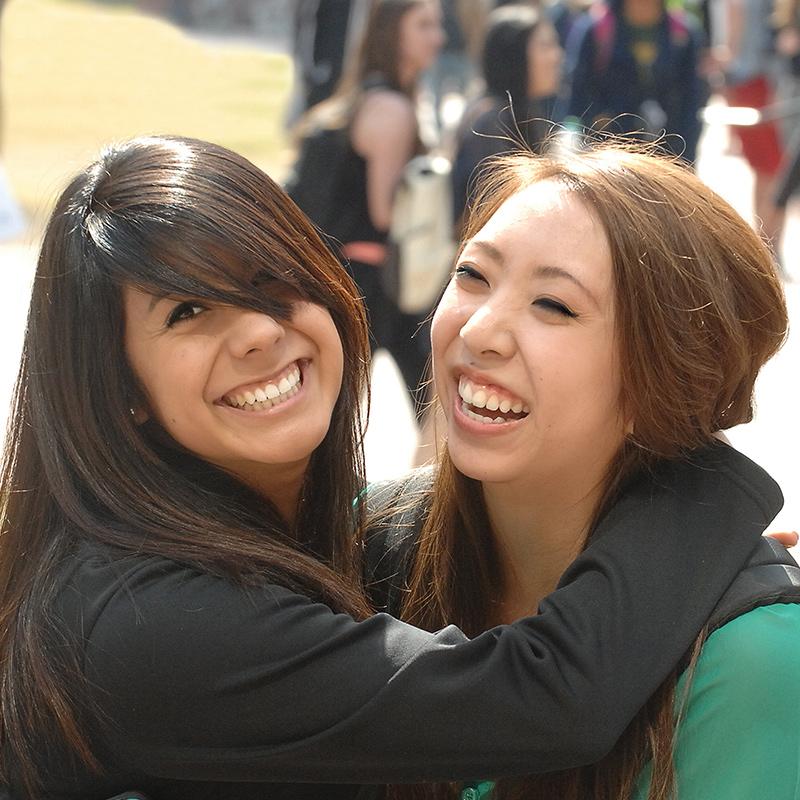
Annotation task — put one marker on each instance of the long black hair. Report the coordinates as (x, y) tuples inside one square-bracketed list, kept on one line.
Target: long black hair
[(186, 218)]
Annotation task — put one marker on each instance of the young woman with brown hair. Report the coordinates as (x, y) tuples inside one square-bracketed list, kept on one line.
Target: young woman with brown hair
[(607, 310), (181, 607), (376, 103)]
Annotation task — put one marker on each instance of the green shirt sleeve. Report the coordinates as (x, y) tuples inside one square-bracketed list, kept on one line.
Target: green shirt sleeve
[(740, 737)]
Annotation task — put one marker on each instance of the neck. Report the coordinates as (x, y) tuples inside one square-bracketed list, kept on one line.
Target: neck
[(539, 533), (281, 486)]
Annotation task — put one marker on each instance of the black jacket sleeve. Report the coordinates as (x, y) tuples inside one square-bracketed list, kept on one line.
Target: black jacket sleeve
[(200, 679)]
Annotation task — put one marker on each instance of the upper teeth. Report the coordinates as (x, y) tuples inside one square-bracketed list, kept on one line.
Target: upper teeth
[(480, 397), (270, 394)]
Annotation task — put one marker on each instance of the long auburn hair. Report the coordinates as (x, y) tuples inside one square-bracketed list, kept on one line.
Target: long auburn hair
[(191, 219), (699, 310)]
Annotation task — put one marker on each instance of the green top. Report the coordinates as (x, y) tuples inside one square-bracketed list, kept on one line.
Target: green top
[(740, 737)]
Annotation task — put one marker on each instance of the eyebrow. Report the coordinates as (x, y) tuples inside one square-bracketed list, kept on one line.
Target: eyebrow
[(542, 271)]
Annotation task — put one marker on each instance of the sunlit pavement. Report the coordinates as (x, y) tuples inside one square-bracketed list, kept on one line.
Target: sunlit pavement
[(772, 439)]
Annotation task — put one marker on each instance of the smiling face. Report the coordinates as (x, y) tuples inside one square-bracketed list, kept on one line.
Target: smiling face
[(524, 346), (238, 388)]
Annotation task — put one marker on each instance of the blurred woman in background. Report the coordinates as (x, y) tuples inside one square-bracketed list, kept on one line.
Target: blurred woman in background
[(376, 102), (522, 74)]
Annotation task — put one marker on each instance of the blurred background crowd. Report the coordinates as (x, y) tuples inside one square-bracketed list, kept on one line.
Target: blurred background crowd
[(398, 80)]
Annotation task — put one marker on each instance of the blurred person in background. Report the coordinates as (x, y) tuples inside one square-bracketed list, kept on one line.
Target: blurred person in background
[(521, 65), (564, 14), (323, 33), (454, 69), (786, 22), (633, 68), (12, 219), (743, 50), (376, 102)]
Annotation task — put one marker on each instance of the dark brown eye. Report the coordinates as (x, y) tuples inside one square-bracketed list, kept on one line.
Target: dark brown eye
[(184, 311)]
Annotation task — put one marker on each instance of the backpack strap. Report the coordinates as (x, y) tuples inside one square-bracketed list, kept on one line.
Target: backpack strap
[(604, 30), (770, 576), (679, 32)]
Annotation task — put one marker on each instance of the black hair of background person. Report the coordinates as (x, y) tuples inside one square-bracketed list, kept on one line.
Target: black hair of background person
[(505, 118), (504, 61)]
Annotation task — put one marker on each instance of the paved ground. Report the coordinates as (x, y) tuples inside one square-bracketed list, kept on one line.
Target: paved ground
[(772, 439)]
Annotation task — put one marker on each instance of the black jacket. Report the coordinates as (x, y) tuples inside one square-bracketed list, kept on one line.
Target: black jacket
[(202, 689)]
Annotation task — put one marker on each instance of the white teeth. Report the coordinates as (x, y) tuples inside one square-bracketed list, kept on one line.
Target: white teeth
[(477, 417), (268, 395), (479, 399), (526, 409)]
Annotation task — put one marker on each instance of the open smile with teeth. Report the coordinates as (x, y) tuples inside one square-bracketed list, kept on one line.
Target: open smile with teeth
[(268, 394), (489, 406)]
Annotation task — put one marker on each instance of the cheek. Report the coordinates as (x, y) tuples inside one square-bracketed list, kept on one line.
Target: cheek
[(319, 326), (446, 322)]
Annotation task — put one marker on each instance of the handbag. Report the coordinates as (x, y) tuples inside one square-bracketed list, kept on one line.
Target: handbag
[(421, 241)]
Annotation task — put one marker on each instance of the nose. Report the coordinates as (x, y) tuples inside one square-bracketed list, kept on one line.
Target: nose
[(488, 332), (252, 332)]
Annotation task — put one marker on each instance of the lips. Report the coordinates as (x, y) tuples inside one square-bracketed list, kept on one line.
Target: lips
[(268, 393)]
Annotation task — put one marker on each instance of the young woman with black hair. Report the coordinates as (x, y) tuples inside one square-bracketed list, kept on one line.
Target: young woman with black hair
[(521, 66), (181, 604)]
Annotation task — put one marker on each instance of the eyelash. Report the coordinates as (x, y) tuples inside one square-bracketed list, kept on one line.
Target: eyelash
[(547, 303), (555, 307), (178, 314), (464, 271)]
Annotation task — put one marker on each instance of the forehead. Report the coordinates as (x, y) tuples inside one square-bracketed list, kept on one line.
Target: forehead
[(549, 224), (549, 203)]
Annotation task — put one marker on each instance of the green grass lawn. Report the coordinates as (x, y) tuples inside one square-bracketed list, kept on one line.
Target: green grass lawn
[(76, 76)]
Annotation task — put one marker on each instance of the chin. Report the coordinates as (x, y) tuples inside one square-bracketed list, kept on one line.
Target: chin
[(481, 468)]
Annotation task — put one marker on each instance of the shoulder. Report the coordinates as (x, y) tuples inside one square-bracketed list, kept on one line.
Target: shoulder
[(683, 30), (385, 111), (756, 624), (151, 611), (738, 731), (756, 650), (387, 106)]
